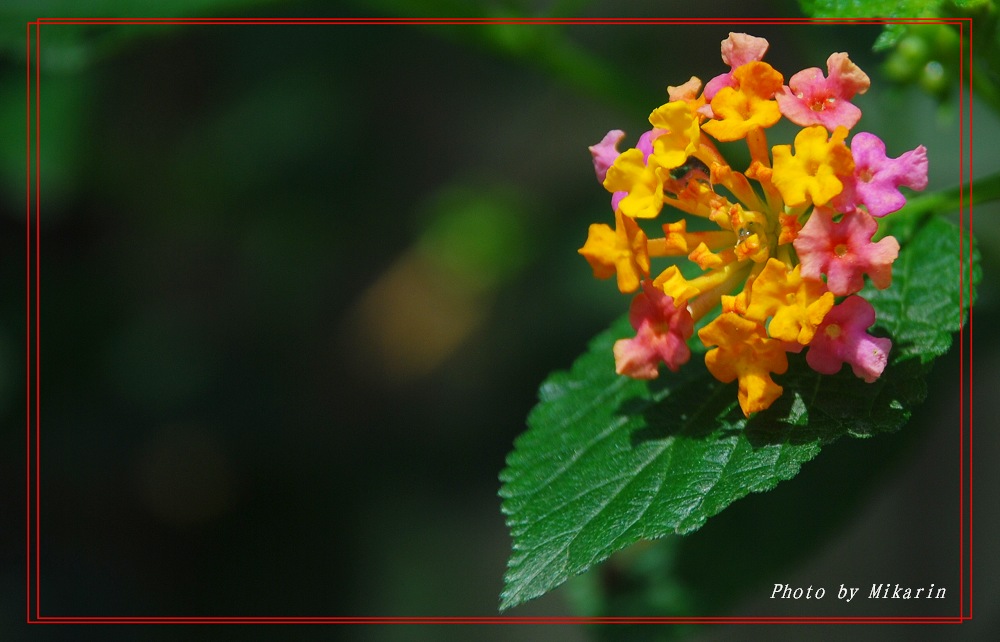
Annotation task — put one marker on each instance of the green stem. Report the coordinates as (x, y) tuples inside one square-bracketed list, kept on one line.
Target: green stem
[(981, 190), (919, 210)]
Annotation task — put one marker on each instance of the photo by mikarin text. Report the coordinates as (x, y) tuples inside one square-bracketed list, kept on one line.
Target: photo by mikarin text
[(846, 593)]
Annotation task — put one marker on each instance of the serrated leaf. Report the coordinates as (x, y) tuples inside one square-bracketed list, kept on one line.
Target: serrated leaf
[(710, 571), (608, 461), (915, 311)]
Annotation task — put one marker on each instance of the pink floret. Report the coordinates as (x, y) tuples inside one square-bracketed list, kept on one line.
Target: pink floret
[(605, 152), (843, 338), (812, 99), (876, 179), (737, 50), (844, 251), (662, 330), (740, 48)]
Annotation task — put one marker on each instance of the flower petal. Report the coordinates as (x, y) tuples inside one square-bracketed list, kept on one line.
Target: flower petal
[(843, 338), (876, 178), (605, 152), (844, 251), (662, 331)]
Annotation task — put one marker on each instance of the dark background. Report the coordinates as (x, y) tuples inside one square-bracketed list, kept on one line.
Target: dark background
[(300, 285)]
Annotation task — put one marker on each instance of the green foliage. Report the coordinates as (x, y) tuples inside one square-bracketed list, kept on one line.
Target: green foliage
[(893, 33), (973, 4), (609, 461), (670, 576), (868, 8), (872, 8), (915, 311), (69, 48)]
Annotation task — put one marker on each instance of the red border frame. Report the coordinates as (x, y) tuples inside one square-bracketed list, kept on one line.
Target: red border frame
[(33, 341)]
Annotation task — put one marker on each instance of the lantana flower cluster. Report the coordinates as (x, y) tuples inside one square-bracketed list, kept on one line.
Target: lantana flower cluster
[(783, 247)]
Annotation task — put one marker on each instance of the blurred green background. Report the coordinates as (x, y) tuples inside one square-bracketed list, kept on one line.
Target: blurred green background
[(300, 285)]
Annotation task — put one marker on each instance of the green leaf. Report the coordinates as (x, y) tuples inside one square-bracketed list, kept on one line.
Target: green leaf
[(921, 310), (868, 8), (710, 571), (890, 37), (608, 461), (891, 33)]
